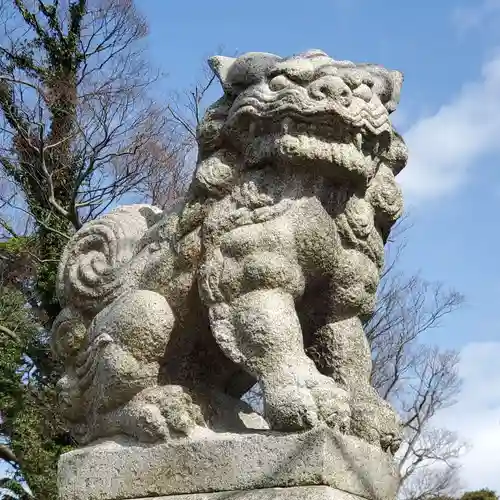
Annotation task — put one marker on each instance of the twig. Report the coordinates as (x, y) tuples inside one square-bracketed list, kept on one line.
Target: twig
[(10, 334)]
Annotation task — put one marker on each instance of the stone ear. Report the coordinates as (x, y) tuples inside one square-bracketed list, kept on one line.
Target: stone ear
[(396, 78), (388, 84), (221, 65)]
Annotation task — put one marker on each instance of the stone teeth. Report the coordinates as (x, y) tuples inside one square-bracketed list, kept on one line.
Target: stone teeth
[(376, 147), (285, 125), (359, 140)]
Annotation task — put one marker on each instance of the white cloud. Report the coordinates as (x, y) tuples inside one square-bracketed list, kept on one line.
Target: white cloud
[(446, 145), (476, 417)]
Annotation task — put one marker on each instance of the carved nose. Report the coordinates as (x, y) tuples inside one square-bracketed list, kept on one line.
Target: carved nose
[(331, 87)]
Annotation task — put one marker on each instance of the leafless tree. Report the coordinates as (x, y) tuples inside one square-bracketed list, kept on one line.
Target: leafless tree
[(185, 110), (416, 377), (81, 130), (80, 125), (187, 107), (432, 481)]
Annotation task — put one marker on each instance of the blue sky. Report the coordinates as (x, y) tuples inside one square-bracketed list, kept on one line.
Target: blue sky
[(442, 48), (449, 52)]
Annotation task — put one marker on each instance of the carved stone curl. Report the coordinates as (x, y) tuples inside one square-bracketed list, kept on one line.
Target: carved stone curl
[(264, 274)]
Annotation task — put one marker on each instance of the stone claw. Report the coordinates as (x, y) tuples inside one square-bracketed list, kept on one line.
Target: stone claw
[(390, 443), (310, 402), (154, 414), (180, 413), (333, 405), (290, 408), (375, 421)]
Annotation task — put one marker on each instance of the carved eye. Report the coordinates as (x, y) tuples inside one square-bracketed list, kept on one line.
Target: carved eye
[(369, 81), (279, 82), (353, 78)]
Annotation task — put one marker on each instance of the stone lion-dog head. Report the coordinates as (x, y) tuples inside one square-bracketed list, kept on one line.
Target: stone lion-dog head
[(309, 111)]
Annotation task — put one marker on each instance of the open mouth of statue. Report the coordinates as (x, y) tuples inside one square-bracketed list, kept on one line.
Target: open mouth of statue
[(367, 140)]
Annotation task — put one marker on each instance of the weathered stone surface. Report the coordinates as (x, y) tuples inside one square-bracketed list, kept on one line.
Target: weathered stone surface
[(263, 274), (229, 462), (294, 493)]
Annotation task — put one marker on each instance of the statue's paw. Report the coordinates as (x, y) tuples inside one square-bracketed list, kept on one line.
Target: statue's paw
[(183, 416), (390, 432), (176, 406), (311, 401), (332, 403), (147, 424), (375, 421), (290, 408), (390, 442)]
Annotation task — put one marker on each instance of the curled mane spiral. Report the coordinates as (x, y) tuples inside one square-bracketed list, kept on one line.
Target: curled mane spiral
[(91, 272)]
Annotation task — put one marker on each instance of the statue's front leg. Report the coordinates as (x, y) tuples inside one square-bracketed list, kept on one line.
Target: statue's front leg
[(111, 383), (260, 330), (341, 351)]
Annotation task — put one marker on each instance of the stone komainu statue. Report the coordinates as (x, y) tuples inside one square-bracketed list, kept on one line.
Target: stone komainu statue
[(264, 274)]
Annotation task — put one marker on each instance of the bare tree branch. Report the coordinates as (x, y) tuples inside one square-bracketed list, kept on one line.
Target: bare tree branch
[(10, 334), (7, 454), (417, 379)]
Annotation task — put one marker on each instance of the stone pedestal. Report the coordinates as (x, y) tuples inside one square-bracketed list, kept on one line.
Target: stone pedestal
[(316, 465), (292, 493)]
